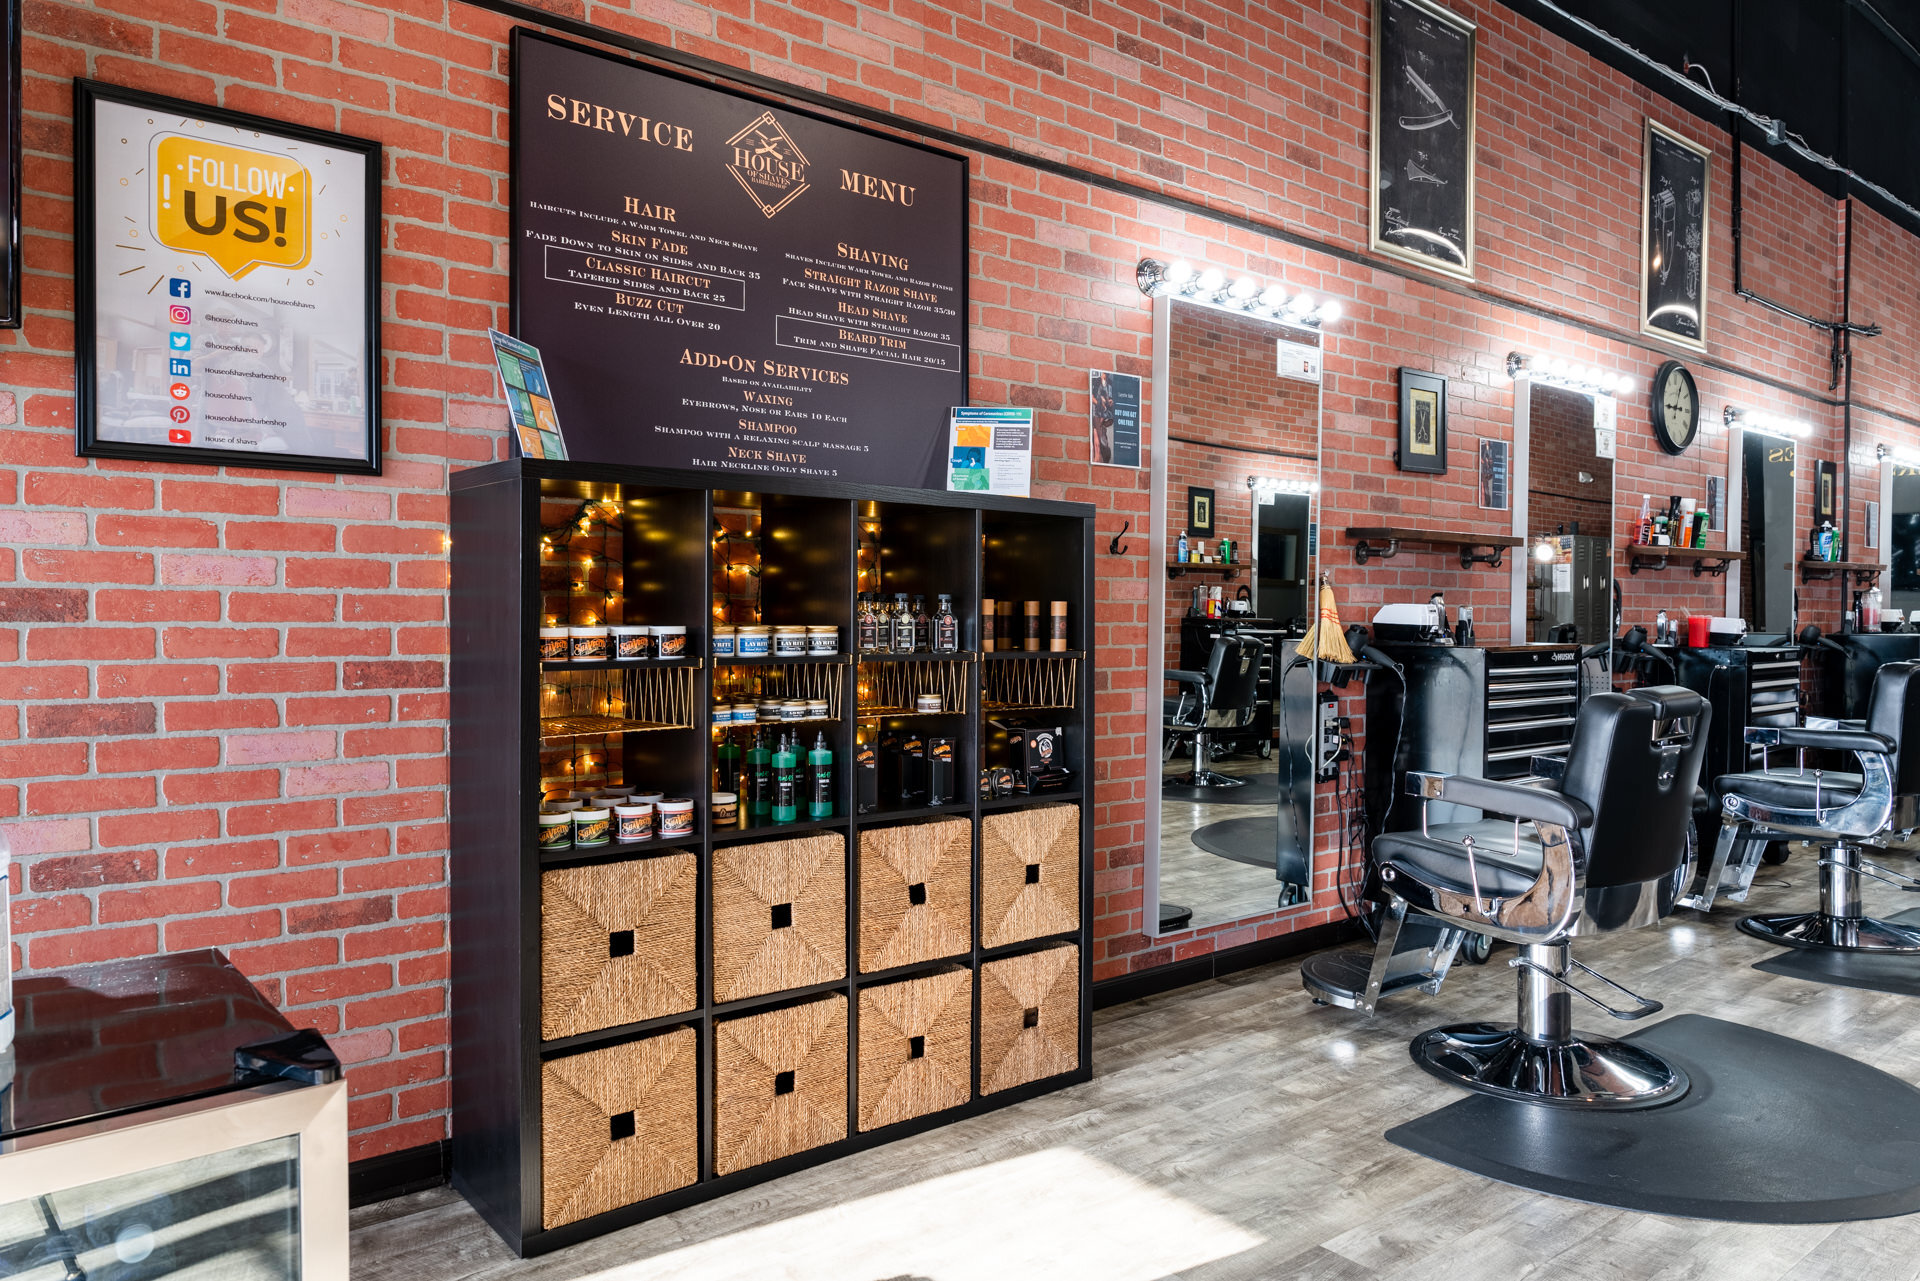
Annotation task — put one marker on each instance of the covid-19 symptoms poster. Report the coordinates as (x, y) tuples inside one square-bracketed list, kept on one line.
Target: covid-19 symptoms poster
[(228, 287)]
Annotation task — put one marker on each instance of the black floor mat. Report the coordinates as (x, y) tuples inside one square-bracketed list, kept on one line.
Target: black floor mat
[(1253, 840), (1773, 1130), (1876, 972), (1259, 789)]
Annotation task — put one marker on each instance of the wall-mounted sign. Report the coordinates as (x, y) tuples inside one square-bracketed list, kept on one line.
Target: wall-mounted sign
[(1673, 295), (1606, 426), (1423, 135), (1299, 361), (523, 385), (227, 281), (721, 283), (990, 450), (1495, 473), (1113, 418)]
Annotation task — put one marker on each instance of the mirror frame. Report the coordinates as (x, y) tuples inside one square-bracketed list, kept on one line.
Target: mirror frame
[(1162, 397)]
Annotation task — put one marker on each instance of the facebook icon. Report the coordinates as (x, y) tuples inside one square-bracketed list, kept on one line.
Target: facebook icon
[(179, 288), (178, 368), (180, 342)]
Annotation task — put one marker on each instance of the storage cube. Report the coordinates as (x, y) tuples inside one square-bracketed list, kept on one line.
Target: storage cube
[(780, 1083), (916, 1047), (916, 893), (1029, 874), (617, 943), (618, 1125), (779, 915), (1029, 1017)]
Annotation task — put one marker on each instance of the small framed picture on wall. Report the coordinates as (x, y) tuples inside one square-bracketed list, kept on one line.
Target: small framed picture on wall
[(1826, 486), (1423, 423), (1199, 512)]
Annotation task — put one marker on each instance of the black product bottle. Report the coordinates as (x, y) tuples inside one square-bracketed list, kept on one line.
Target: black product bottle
[(869, 623), (902, 624), (759, 776), (726, 759), (946, 627), (922, 625), (820, 778)]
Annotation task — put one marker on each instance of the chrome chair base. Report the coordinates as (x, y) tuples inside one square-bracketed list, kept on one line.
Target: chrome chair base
[(1834, 933), (1584, 1072), (1204, 778)]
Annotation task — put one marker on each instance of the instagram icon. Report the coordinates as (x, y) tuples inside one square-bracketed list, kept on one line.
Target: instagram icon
[(180, 315)]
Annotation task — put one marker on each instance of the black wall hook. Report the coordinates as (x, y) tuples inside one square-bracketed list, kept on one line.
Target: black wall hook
[(1114, 547)]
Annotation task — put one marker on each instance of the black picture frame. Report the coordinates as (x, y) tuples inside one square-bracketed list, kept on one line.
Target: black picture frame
[(1826, 490), (1421, 155), (1676, 189), (10, 312), (87, 94), (1199, 512), (1423, 423)]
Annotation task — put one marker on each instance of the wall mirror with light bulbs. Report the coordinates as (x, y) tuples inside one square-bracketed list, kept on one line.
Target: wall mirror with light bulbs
[(1236, 400)]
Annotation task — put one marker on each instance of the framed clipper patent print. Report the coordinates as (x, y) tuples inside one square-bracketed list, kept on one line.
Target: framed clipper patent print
[(1675, 187), (227, 287), (1423, 135)]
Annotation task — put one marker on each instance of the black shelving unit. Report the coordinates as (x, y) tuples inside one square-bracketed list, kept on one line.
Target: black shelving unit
[(966, 545)]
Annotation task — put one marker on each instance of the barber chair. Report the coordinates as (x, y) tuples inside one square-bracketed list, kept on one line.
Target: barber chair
[(1221, 698), (1608, 850), (1841, 812)]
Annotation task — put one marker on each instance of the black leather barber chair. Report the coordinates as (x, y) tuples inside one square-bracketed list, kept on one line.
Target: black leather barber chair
[(1841, 812), (1608, 849), (1222, 698)]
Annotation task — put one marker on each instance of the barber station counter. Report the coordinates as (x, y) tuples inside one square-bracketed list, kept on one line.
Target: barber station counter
[(1849, 676), (1482, 711)]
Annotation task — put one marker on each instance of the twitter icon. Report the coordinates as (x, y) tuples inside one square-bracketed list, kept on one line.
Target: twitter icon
[(180, 342)]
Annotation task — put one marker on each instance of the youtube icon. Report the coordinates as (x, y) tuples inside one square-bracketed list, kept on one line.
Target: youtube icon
[(179, 436)]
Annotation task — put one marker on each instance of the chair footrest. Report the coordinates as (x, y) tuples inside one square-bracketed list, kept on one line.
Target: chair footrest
[(1640, 1008)]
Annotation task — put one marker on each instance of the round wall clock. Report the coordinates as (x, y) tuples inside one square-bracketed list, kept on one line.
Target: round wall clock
[(1676, 407)]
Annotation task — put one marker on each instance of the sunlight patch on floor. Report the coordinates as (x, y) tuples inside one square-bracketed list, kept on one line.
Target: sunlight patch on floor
[(1058, 1214)]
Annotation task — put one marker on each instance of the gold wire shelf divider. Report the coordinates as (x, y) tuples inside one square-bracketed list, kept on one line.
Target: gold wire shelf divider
[(1037, 684), (891, 689), (583, 704)]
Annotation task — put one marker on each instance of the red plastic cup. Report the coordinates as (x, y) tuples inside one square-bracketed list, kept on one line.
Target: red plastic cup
[(1697, 633)]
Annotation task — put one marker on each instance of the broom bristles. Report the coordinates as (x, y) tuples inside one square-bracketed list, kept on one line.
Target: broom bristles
[(1326, 639)]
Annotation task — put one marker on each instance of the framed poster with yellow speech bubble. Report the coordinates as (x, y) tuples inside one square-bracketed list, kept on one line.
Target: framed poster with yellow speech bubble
[(227, 282)]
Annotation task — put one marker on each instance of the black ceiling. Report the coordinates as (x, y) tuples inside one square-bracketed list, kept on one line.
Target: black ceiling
[(1842, 74)]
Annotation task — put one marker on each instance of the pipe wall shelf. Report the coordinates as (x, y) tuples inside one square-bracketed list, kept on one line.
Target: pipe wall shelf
[(1382, 542)]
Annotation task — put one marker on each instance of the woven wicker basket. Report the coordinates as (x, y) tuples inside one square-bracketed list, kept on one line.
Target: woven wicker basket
[(781, 1083), (916, 893), (618, 1125), (1029, 874), (916, 1047), (616, 943), (1029, 1017), (779, 915)]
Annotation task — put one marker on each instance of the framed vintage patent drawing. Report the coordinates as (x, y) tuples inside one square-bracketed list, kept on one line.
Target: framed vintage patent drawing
[(1673, 228), (1423, 135), (227, 287)]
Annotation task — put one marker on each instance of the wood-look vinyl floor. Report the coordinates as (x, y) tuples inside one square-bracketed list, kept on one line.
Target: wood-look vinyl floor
[(1233, 1130), (1217, 889)]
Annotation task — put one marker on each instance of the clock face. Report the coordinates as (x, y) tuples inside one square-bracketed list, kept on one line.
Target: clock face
[(1676, 407)]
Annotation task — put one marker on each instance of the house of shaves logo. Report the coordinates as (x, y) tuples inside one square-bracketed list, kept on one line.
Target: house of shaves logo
[(768, 164)]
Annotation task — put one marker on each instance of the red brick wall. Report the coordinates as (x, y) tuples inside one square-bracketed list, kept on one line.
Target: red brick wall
[(226, 696)]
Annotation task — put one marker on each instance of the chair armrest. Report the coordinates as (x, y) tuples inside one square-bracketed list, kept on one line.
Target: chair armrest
[(1837, 740), (1534, 804), (1186, 678)]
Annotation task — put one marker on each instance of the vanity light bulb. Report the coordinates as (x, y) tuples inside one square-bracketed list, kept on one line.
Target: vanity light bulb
[(1272, 297), (1301, 305), (1180, 272), (1245, 287), (1557, 366), (1543, 551), (1329, 311), (1210, 280), (1623, 385)]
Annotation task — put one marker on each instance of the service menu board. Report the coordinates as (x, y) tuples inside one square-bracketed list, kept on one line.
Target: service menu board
[(717, 283)]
